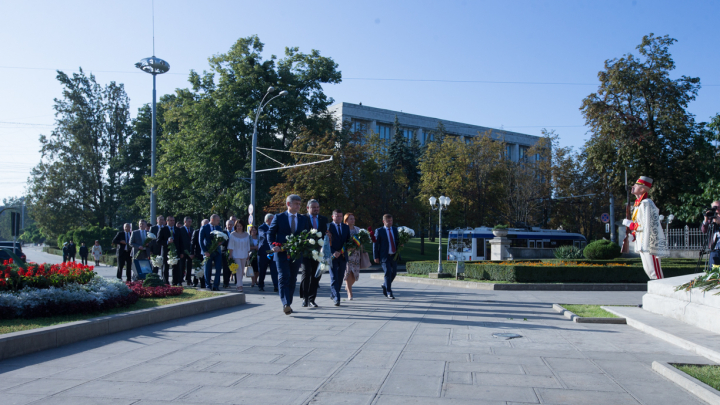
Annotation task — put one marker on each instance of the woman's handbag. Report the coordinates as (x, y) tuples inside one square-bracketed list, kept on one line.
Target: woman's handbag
[(364, 260), (249, 272)]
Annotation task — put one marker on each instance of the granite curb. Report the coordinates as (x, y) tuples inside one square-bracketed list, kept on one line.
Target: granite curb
[(668, 337), (520, 286), (35, 340), (579, 319), (689, 383)]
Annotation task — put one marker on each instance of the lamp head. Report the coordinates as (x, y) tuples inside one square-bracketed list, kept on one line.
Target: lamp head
[(283, 93), (433, 201), (661, 217), (270, 89), (447, 201), (671, 217)]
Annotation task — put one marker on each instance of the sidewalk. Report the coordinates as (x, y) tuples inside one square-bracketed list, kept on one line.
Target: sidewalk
[(431, 345)]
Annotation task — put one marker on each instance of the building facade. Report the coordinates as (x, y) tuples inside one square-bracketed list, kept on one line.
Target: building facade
[(380, 121)]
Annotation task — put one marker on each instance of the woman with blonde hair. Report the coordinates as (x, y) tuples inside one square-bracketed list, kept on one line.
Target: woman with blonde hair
[(352, 271), (239, 247), (97, 252)]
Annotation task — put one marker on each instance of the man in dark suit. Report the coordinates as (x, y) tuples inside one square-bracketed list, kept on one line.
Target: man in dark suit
[(123, 251), (263, 261), (384, 252), (309, 283), (284, 224), (170, 235), (136, 241), (155, 246), (72, 251), (229, 224), (195, 246), (339, 236), (185, 237), (214, 258)]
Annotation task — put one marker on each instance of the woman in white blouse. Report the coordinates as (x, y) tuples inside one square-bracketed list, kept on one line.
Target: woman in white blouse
[(239, 247)]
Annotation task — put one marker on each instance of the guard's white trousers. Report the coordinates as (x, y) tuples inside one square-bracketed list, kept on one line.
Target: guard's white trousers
[(651, 264)]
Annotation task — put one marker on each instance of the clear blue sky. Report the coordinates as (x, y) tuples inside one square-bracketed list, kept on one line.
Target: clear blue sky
[(495, 41)]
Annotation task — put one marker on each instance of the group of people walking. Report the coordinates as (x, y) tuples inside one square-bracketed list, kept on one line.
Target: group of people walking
[(248, 247)]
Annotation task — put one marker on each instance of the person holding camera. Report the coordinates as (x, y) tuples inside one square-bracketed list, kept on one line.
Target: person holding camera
[(711, 227)]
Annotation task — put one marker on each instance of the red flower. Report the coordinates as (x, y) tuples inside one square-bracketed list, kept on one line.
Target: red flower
[(372, 234)]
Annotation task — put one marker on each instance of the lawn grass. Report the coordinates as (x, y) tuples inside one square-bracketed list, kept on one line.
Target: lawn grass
[(710, 375), (589, 311), (475, 280), (16, 325)]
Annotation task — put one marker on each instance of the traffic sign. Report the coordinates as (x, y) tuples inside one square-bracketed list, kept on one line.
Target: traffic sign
[(250, 209), (607, 228), (605, 217), (250, 219)]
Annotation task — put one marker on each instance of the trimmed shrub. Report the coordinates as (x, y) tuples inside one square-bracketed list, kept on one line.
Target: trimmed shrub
[(602, 249), (568, 252), (153, 280)]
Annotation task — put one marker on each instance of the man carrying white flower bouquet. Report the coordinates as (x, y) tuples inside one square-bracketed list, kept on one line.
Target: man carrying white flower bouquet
[(339, 236), (308, 282), (384, 251), (210, 248), (288, 223)]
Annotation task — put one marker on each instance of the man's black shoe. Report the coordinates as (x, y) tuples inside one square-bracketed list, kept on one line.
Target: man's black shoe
[(262, 289), (305, 303), (391, 296), (287, 309), (313, 304), (337, 303), (384, 289)]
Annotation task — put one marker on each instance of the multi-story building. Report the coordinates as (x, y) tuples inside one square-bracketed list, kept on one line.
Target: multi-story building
[(380, 121)]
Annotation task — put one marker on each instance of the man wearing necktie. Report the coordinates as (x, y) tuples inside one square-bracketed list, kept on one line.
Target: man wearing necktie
[(339, 236), (186, 232), (124, 258), (169, 235), (155, 247), (309, 283), (284, 224), (263, 261), (384, 252), (213, 258)]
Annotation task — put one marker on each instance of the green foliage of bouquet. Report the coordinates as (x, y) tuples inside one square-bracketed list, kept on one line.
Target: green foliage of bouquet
[(708, 281), (303, 244), (152, 280)]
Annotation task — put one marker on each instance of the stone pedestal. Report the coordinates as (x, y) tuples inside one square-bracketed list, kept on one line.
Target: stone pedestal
[(694, 307), (500, 249)]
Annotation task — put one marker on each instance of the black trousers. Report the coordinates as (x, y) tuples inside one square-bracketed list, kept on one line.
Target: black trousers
[(309, 283), (186, 268), (226, 270), (124, 259), (83, 259)]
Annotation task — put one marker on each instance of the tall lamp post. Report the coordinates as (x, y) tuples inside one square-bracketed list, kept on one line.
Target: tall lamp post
[(440, 205), (154, 66), (667, 221), (253, 177)]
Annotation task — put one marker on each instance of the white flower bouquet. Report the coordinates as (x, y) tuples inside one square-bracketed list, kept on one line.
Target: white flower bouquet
[(148, 238), (404, 235), (157, 261)]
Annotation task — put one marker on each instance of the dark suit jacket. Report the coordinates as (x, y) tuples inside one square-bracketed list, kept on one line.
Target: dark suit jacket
[(205, 237), (382, 246), (83, 251), (322, 223), (280, 229), (72, 249), (195, 243), (120, 247), (338, 241), (165, 234), (155, 246), (186, 236), (263, 237)]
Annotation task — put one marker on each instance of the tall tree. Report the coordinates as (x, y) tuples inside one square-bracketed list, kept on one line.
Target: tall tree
[(639, 121), (78, 178), (205, 153)]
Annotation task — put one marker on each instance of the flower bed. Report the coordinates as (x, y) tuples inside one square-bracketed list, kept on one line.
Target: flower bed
[(97, 294), (153, 292), (14, 277)]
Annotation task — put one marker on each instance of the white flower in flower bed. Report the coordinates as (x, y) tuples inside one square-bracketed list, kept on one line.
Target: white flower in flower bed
[(98, 289)]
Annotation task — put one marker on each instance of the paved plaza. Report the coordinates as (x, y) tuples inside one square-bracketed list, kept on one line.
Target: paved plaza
[(432, 345)]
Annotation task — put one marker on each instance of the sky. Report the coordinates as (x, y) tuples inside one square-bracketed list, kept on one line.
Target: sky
[(517, 65)]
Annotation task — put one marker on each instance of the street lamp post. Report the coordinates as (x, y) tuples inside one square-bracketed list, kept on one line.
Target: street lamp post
[(440, 205), (667, 221), (154, 66), (254, 147)]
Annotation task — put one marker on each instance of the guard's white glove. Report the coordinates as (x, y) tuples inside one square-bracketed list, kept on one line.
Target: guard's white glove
[(626, 222)]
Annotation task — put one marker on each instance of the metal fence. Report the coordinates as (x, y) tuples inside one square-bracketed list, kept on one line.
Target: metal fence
[(685, 238)]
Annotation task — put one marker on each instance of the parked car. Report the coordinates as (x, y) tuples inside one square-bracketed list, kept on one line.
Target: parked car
[(4, 255)]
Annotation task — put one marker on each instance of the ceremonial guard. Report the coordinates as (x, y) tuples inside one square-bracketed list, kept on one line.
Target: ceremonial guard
[(646, 229)]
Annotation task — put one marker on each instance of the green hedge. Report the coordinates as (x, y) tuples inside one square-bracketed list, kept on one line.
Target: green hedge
[(555, 274), (110, 260)]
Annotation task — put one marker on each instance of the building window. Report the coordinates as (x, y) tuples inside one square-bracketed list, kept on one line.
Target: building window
[(408, 134), (426, 137), (385, 132), (523, 151), (358, 126), (508, 151)]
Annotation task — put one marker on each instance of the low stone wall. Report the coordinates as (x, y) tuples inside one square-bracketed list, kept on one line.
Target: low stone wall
[(35, 340), (694, 307)]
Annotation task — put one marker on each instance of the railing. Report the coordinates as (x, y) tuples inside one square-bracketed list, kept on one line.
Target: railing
[(685, 238)]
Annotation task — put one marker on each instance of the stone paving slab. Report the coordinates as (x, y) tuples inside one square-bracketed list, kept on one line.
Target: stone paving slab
[(432, 345)]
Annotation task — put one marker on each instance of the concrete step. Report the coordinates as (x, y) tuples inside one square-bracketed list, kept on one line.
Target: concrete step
[(688, 337)]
